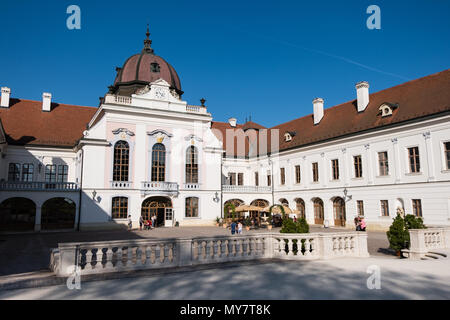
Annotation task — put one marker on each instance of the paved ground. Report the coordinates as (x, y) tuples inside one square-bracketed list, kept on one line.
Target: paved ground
[(344, 278), (24, 253)]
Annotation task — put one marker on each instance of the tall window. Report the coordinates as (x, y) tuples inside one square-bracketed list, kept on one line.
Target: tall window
[(297, 174), (360, 207), (414, 160), (63, 171), (383, 163), (50, 173), (27, 172), (192, 207), (158, 162), (417, 207), (119, 208), (335, 168), (121, 161), (358, 166), (232, 178), (315, 169), (384, 208), (447, 154), (14, 172), (192, 165), (256, 179), (240, 179), (282, 176)]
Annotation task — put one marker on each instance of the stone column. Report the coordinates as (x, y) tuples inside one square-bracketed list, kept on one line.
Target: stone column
[(324, 169), (345, 172), (369, 164), (37, 220), (397, 162)]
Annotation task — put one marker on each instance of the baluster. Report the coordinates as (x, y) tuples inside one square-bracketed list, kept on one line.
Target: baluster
[(241, 247), (89, 255), (162, 252), (195, 250), (212, 250), (153, 254), (109, 257), (203, 250), (226, 248), (171, 255), (147, 252), (307, 247)]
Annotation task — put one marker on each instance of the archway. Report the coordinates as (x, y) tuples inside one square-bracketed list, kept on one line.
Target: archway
[(318, 211), (339, 212), (261, 203), (17, 214), (300, 204), (160, 208), (58, 213)]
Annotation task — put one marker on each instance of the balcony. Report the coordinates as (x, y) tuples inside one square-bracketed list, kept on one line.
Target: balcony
[(38, 186), (121, 184), (246, 189), (164, 187)]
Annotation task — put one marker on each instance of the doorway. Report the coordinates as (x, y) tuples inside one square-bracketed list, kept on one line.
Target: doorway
[(159, 207), (339, 212)]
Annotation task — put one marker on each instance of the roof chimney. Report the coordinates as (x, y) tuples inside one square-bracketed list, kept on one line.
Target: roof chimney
[(318, 110), (46, 101), (362, 95), (232, 122), (6, 92)]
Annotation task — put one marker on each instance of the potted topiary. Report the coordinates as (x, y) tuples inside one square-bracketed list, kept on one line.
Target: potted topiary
[(217, 221), (247, 223), (398, 235)]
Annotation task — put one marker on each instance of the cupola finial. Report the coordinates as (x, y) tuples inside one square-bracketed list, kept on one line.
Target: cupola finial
[(148, 42)]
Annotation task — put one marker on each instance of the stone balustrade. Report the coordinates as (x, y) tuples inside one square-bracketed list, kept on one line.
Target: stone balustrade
[(115, 99), (195, 109), (38, 186), (125, 255), (121, 184), (159, 186), (246, 189), (191, 186), (423, 241)]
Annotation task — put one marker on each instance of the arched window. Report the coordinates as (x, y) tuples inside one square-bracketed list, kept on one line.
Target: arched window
[(191, 165), (121, 161), (192, 207), (17, 214), (318, 211), (158, 162), (119, 208), (300, 208)]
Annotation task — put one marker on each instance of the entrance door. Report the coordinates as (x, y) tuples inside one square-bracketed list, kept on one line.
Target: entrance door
[(339, 212), (318, 211), (168, 217), (159, 207)]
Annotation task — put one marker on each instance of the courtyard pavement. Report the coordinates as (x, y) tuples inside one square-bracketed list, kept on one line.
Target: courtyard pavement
[(344, 278), (30, 252)]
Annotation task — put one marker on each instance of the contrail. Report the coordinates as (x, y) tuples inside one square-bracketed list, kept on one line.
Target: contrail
[(290, 44)]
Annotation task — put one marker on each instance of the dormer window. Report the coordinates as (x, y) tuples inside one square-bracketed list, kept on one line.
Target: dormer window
[(154, 67), (288, 136), (386, 109)]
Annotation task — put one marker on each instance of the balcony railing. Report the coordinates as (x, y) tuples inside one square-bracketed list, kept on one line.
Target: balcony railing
[(38, 186), (121, 184), (191, 186), (159, 186), (244, 189)]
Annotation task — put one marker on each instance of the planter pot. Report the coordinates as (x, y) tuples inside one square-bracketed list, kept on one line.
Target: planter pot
[(224, 225), (247, 228), (398, 253), (217, 224), (269, 227)]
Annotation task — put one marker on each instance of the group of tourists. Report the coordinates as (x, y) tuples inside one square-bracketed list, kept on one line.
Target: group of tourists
[(360, 224), (148, 224)]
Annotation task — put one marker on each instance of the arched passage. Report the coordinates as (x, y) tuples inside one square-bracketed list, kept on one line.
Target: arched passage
[(339, 212), (58, 213), (159, 207), (300, 204), (17, 214), (318, 211)]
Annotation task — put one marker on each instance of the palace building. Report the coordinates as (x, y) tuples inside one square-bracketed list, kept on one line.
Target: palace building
[(145, 151)]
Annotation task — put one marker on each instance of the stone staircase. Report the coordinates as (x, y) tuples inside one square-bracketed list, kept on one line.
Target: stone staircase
[(434, 255)]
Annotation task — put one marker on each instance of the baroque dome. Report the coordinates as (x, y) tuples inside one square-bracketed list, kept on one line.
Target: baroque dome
[(141, 69)]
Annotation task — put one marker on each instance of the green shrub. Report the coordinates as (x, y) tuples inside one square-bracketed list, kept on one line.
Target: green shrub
[(398, 234), (413, 222), (302, 226), (289, 226)]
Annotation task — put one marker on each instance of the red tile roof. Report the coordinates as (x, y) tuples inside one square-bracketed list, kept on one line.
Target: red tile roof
[(25, 123), (416, 99)]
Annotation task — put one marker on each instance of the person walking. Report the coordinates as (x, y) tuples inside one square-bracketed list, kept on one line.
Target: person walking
[(233, 227), (141, 222), (153, 221), (240, 227), (130, 222)]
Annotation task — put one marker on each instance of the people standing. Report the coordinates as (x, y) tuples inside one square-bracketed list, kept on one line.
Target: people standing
[(130, 222), (362, 224), (233, 227), (141, 222), (356, 221), (153, 221), (240, 227)]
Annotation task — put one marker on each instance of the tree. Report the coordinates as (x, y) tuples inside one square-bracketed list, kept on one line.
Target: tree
[(226, 211)]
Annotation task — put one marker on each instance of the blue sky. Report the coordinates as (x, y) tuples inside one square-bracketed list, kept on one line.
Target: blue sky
[(267, 59)]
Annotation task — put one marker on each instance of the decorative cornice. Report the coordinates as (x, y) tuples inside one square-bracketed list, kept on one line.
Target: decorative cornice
[(126, 131), (160, 131), (193, 136)]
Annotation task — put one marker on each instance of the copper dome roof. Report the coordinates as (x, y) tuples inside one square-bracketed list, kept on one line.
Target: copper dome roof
[(143, 68)]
